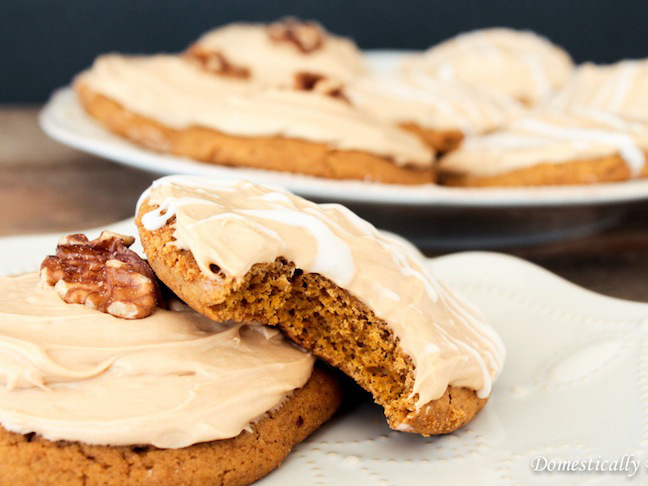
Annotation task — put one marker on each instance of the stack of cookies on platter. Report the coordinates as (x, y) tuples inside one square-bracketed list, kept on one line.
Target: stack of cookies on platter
[(494, 107), (263, 96), (200, 365)]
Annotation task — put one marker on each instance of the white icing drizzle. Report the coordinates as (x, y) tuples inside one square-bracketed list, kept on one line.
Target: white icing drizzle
[(625, 144), (417, 97), (518, 64), (448, 341), (615, 88), (552, 137)]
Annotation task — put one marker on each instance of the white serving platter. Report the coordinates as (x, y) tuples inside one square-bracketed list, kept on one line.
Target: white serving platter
[(574, 386), (432, 216)]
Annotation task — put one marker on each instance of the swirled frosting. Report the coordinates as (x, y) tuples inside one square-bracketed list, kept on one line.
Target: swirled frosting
[(550, 137), (172, 379), (416, 97), (273, 63), (620, 88), (177, 93), (519, 64), (236, 224)]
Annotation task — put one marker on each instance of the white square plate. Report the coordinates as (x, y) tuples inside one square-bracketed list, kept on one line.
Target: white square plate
[(574, 386)]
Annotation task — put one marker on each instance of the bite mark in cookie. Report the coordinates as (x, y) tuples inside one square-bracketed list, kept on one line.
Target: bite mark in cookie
[(361, 300)]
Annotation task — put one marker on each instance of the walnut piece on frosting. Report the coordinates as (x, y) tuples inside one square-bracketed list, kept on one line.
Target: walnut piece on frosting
[(318, 83), (307, 37), (216, 62), (103, 274)]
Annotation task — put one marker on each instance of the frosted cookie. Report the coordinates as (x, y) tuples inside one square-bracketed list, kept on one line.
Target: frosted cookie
[(172, 398), (170, 105), (519, 64), (620, 88), (442, 113), (551, 149), (277, 54), (363, 301)]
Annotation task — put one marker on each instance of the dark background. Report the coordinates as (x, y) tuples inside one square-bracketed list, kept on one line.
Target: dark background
[(44, 42)]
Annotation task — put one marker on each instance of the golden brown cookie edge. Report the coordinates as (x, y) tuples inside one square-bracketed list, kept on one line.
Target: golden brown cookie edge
[(269, 153), (577, 172), (33, 460)]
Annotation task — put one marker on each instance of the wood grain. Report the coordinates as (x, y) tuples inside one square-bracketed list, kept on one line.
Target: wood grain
[(45, 186)]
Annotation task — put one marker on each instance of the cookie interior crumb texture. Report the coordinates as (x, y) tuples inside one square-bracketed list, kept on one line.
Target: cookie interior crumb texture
[(318, 315)]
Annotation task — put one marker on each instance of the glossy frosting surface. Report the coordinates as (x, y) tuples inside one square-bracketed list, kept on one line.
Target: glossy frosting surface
[(551, 137), (172, 379), (619, 88), (519, 64), (179, 94), (431, 103), (275, 63)]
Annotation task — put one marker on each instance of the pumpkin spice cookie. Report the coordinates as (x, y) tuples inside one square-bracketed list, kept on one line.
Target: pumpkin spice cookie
[(277, 54), (171, 105), (548, 148), (441, 113), (170, 398), (29, 459), (518, 64), (363, 301), (618, 88)]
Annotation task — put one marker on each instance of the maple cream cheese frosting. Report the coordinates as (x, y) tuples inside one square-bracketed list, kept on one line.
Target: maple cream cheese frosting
[(519, 64), (179, 94), (551, 137), (274, 62), (173, 379), (616, 88), (236, 224), (417, 97)]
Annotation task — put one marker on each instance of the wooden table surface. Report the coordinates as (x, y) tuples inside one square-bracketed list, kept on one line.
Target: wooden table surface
[(46, 187)]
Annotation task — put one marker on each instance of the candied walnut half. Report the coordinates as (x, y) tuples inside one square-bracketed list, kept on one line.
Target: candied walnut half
[(103, 274), (216, 62), (306, 37), (318, 83)]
